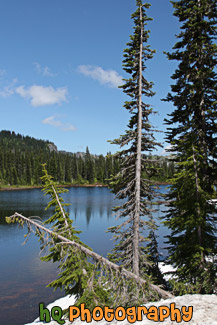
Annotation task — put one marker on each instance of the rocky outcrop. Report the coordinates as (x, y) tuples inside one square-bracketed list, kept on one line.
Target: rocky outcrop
[(52, 147)]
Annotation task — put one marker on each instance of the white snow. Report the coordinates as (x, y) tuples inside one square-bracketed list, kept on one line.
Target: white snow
[(63, 303), (204, 308), (212, 201), (204, 311)]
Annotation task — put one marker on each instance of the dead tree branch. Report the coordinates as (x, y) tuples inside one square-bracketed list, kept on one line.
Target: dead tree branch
[(102, 260)]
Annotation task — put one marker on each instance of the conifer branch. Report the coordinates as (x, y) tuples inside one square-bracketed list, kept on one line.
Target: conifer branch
[(100, 259)]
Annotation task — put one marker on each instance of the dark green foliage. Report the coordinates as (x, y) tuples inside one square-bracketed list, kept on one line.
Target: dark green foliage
[(93, 279), (192, 134), (153, 259), (90, 169), (73, 264), (78, 274), (21, 158)]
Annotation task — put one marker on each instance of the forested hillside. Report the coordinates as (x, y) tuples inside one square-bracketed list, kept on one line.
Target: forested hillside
[(21, 158)]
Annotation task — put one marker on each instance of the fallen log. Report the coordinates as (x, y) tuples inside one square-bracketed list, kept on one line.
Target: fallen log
[(63, 240)]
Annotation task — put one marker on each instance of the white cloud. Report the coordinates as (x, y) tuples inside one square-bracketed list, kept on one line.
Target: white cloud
[(9, 89), (106, 77), (51, 120), (41, 96), (45, 71)]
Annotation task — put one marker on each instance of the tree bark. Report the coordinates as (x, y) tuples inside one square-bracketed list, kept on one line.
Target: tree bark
[(138, 161)]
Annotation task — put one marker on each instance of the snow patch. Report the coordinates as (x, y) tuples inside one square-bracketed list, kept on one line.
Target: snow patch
[(204, 308), (204, 311)]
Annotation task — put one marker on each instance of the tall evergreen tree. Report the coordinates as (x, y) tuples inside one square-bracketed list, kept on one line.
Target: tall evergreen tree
[(192, 134), (129, 184), (89, 167)]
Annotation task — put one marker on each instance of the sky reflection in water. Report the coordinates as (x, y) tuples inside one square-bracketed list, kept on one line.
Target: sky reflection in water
[(23, 276)]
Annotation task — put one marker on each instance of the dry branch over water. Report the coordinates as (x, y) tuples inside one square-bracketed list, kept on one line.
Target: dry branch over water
[(120, 271)]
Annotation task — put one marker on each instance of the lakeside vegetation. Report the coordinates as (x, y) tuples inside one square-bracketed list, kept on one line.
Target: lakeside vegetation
[(132, 267), (21, 158)]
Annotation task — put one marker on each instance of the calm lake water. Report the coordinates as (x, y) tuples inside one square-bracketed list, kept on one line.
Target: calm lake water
[(23, 277)]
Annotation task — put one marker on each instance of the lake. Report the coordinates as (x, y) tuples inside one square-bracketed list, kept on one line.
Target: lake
[(23, 276)]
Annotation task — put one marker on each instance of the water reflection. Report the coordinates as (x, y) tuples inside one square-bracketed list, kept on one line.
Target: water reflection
[(23, 275), (90, 202), (26, 202), (90, 208)]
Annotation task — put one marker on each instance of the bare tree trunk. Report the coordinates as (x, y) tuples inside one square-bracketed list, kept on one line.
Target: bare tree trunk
[(123, 272), (138, 162), (61, 209), (204, 145)]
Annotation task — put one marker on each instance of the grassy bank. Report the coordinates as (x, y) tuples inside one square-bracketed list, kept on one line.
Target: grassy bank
[(27, 187)]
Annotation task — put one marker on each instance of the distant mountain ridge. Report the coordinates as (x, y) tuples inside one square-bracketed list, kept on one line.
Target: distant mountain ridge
[(12, 140)]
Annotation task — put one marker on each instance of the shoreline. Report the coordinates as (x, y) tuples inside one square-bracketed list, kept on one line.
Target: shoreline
[(31, 187)]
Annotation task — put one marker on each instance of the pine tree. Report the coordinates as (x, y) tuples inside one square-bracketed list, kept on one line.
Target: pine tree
[(73, 264), (129, 183), (100, 168), (192, 243), (28, 170), (89, 167), (154, 258), (94, 280), (68, 170)]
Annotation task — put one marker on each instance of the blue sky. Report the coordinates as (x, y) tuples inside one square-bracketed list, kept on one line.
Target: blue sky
[(61, 62)]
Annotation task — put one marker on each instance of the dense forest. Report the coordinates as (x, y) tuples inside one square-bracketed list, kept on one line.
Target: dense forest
[(21, 158), (127, 275)]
